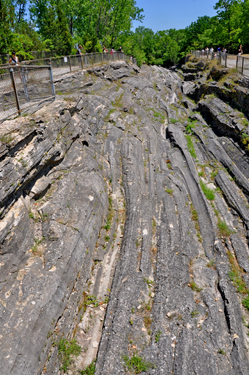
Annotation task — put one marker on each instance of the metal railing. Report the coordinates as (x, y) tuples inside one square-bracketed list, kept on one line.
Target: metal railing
[(240, 63), (23, 86), (33, 81)]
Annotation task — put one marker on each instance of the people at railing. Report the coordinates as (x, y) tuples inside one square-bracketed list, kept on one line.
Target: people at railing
[(240, 50), (14, 59), (78, 53)]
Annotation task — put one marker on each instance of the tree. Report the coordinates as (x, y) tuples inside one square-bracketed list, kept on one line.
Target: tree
[(7, 17)]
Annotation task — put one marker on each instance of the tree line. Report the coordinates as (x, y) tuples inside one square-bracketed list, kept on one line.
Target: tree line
[(59, 25)]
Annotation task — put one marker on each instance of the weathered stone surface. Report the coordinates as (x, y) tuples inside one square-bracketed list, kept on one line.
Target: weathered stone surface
[(108, 232)]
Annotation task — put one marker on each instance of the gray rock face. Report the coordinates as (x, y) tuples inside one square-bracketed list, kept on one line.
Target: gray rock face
[(124, 226)]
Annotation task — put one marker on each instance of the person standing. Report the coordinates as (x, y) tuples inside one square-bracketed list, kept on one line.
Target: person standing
[(78, 53), (240, 50), (14, 59)]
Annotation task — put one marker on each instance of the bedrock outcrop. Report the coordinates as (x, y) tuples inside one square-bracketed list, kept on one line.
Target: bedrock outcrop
[(124, 227)]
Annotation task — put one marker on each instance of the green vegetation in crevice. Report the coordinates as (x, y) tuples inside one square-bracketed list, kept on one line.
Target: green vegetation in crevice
[(169, 191), (236, 276), (245, 140), (137, 364), (194, 217), (109, 216), (224, 231), (158, 335), (190, 146), (173, 121), (194, 287), (191, 125), (66, 350), (208, 192), (90, 370)]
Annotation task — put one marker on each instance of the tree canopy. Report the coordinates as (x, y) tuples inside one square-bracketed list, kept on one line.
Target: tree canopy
[(61, 25)]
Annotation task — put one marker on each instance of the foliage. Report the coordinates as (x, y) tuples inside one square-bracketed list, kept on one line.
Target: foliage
[(223, 229), (66, 350), (137, 364), (61, 25), (191, 147), (208, 192), (90, 370)]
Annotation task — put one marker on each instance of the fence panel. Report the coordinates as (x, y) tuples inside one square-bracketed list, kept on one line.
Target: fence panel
[(7, 95), (23, 86), (32, 81), (60, 65), (231, 61), (239, 64)]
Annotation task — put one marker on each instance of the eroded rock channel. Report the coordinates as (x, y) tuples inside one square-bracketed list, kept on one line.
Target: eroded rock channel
[(124, 226)]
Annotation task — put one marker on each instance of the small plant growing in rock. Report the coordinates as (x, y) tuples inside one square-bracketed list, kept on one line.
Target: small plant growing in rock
[(147, 322), (194, 287), (211, 264), (208, 192), (194, 313), (66, 350), (224, 231), (245, 303), (137, 364), (169, 191), (173, 121), (221, 351), (158, 335), (190, 146), (90, 370)]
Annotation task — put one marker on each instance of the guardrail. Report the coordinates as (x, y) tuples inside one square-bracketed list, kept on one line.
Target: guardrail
[(240, 63), (22, 86), (33, 81)]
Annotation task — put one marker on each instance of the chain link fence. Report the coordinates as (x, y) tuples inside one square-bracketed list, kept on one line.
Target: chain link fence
[(71, 63), (32, 81), (240, 63), (23, 86)]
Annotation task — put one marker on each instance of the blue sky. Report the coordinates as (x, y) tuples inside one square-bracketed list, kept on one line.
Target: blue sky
[(173, 14)]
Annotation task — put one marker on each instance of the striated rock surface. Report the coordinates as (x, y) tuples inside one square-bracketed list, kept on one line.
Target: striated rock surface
[(124, 226)]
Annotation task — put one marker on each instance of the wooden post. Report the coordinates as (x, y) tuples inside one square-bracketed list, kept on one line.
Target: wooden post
[(242, 64)]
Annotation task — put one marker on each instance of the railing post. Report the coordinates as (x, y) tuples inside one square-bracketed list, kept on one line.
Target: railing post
[(24, 83), (14, 88), (242, 64), (226, 60), (52, 80), (237, 62), (82, 63), (69, 61)]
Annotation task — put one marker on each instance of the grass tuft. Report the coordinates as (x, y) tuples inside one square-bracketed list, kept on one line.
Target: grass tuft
[(66, 350), (191, 147), (90, 370), (137, 364), (208, 192), (224, 231), (169, 191)]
